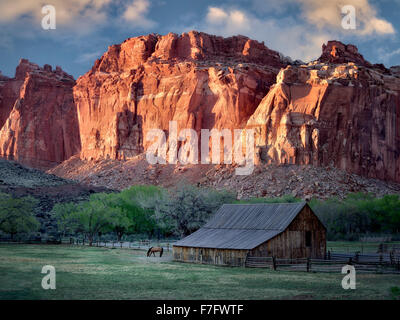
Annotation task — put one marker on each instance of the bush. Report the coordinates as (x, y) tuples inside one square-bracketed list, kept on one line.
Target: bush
[(358, 214), (17, 215), (187, 208)]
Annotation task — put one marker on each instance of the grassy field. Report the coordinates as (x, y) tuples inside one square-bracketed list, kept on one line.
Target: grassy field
[(99, 273)]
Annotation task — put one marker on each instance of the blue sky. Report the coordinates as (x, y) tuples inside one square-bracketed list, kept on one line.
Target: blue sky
[(297, 28)]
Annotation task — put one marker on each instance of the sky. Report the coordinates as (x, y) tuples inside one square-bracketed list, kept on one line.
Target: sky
[(296, 28)]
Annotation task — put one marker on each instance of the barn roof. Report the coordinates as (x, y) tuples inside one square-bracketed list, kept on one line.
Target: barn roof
[(243, 226)]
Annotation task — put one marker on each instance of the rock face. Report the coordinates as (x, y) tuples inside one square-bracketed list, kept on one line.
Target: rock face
[(338, 111), (341, 114), (200, 81), (337, 52), (38, 118)]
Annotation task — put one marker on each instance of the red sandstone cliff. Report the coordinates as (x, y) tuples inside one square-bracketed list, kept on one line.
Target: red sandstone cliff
[(38, 119), (200, 81), (339, 110), (333, 112)]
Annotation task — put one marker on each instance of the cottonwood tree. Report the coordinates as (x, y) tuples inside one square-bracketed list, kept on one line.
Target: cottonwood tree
[(139, 203), (188, 208), (92, 217), (17, 215), (63, 213)]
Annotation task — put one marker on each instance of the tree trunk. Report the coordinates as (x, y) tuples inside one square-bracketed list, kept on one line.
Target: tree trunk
[(90, 241)]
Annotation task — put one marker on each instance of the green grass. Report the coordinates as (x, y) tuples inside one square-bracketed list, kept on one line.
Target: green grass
[(98, 273)]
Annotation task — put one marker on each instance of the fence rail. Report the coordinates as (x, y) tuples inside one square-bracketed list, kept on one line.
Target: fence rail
[(140, 244), (363, 264)]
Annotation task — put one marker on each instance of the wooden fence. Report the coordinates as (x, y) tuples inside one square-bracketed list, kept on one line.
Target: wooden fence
[(362, 264), (140, 244)]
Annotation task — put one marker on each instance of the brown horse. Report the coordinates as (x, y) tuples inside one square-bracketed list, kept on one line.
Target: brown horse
[(153, 251)]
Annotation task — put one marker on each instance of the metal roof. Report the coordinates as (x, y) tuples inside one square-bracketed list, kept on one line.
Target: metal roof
[(243, 226)]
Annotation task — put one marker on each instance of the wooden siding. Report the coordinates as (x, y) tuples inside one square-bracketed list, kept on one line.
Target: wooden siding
[(224, 257), (292, 242)]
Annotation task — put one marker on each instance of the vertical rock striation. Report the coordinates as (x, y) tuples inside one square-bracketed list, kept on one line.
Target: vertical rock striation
[(39, 124), (333, 112)]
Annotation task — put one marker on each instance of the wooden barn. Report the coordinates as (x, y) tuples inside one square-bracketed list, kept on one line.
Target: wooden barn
[(283, 230)]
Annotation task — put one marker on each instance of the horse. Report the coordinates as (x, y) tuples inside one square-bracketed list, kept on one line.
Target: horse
[(153, 250)]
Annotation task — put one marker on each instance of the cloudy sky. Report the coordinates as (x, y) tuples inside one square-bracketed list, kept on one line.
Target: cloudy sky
[(297, 28)]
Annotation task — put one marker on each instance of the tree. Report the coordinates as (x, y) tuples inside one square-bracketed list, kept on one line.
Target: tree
[(139, 203), (119, 222), (63, 213), (92, 217), (188, 208), (17, 215)]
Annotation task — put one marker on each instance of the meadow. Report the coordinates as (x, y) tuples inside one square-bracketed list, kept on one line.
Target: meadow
[(100, 273)]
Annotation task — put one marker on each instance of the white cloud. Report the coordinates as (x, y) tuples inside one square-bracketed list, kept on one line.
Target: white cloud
[(385, 56), (82, 16), (216, 15), (324, 14), (286, 36), (67, 11), (136, 14), (299, 35)]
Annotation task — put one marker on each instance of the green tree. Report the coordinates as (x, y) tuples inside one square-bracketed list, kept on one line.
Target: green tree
[(188, 208), (17, 215), (139, 203), (63, 213), (93, 216)]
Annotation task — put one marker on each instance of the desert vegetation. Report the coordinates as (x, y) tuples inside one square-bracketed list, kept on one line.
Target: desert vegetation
[(16, 215), (155, 212)]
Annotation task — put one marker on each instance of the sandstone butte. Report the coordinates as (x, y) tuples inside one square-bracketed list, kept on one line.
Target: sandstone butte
[(338, 110), (38, 119)]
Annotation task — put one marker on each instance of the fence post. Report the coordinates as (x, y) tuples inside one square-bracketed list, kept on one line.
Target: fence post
[(329, 254), (308, 264), (380, 259), (357, 256), (350, 261), (274, 266)]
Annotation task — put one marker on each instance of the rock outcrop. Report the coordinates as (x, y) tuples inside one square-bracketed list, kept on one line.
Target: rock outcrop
[(338, 111), (333, 112), (200, 81), (38, 118)]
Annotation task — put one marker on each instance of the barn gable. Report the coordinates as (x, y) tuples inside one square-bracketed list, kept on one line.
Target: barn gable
[(243, 226)]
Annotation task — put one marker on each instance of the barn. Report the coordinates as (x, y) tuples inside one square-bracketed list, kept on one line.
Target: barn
[(282, 230)]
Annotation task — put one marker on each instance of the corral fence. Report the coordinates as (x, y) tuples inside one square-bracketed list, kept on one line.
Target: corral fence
[(333, 262), (143, 244), (140, 244)]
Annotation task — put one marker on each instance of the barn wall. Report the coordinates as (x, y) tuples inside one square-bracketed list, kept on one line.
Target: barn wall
[(224, 257), (292, 242)]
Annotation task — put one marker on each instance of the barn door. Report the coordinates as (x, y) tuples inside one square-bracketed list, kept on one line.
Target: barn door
[(308, 242)]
